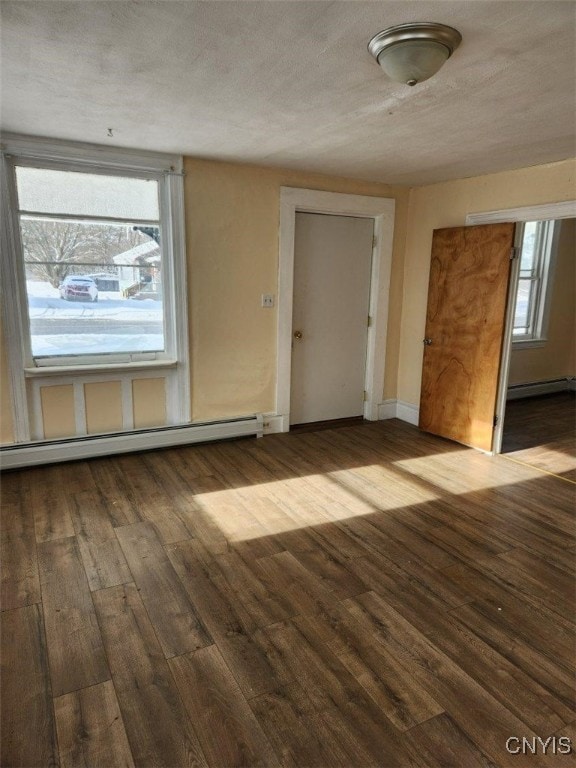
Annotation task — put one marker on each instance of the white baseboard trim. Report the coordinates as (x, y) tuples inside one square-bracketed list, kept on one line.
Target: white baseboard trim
[(408, 412), (51, 451), (387, 410), (272, 423), (517, 391), (398, 409)]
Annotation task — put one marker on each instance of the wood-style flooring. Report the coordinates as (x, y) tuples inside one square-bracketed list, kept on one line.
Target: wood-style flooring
[(541, 431), (360, 596)]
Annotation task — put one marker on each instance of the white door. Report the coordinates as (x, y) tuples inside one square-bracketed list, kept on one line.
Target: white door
[(332, 267)]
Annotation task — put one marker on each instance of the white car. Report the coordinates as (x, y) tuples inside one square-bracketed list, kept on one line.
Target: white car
[(75, 288)]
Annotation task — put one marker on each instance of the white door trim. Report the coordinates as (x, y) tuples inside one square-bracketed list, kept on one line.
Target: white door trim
[(381, 210), (562, 210)]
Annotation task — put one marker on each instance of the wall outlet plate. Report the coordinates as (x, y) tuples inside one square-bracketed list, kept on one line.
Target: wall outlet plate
[(267, 299)]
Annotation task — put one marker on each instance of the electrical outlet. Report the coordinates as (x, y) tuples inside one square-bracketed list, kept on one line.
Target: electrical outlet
[(267, 299)]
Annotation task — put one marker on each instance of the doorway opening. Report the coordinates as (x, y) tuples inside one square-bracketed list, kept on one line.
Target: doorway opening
[(539, 431), (536, 398)]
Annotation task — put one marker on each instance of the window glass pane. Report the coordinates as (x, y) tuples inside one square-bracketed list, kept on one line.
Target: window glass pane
[(87, 194), (528, 248), (522, 313), (92, 288)]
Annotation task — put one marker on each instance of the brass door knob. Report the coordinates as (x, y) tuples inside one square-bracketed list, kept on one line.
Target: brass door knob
[(297, 334)]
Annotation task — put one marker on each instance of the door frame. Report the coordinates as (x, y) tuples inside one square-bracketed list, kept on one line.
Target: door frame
[(381, 210), (562, 210)]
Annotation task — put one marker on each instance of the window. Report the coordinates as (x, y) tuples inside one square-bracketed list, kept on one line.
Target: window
[(97, 272), (93, 273), (530, 316), (93, 264)]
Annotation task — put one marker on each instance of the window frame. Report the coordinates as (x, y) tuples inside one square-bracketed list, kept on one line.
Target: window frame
[(542, 280), (94, 159)]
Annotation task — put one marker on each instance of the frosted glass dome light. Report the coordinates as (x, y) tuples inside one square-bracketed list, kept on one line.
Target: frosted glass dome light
[(412, 53)]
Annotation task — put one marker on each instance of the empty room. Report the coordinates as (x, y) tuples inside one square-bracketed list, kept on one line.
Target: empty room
[(287, 383)]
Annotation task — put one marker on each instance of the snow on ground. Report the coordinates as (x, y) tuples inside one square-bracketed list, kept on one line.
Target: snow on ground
[(95, 343), (108, 314), (39, 289), (45, 301)]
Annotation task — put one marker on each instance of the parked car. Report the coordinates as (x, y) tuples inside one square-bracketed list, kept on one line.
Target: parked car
[(105, 282), (75, 288)]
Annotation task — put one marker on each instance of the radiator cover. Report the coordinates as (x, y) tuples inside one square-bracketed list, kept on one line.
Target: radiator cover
[(90, 446)]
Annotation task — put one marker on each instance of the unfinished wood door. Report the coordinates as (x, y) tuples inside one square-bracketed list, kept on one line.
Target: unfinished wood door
[(467, 294)]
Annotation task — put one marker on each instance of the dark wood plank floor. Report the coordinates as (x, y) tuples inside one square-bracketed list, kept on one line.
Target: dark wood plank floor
[(366, 595), (541, 431)]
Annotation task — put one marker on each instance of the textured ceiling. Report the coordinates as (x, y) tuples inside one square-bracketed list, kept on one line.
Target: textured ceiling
[(291, 83)]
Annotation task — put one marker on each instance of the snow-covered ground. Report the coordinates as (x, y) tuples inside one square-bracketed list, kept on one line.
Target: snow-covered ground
[(95, 344), (59, 327), (45, 301)]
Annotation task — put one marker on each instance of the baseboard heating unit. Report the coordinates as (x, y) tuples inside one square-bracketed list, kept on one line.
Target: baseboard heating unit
[(516, 391), (90, 446)]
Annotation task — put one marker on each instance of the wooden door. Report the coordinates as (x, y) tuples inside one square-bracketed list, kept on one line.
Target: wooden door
[(332, 270), (465, 321)]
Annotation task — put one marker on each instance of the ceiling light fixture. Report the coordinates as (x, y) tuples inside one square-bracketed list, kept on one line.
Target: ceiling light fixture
[(411, 53)]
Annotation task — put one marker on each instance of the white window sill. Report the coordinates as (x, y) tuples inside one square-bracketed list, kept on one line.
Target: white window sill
[(59, 370), (528, 343)]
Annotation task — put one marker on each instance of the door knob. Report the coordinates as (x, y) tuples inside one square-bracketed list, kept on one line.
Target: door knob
[(427, 342), (297, 334)]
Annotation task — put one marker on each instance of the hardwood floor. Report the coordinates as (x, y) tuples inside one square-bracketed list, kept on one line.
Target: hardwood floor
[(541, 431), (359, 596)]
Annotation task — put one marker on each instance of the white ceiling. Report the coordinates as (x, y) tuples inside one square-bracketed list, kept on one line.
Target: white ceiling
[(291, 84)]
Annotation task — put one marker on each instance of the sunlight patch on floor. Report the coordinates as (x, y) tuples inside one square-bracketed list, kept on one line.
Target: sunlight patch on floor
[(463, 471), (290, 504), (259, 510)]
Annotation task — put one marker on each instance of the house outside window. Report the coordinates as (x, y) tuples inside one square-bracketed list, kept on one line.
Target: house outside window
[(534, 283)]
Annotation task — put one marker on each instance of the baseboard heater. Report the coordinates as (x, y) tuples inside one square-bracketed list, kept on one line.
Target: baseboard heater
[(516, 391), (91, 446)]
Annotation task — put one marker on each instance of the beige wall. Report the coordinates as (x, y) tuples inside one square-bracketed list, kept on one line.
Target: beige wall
[(446, 205), (103, 406), (557, 358), (92, 407), (58, 416), (232, 220), (149, 402)]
